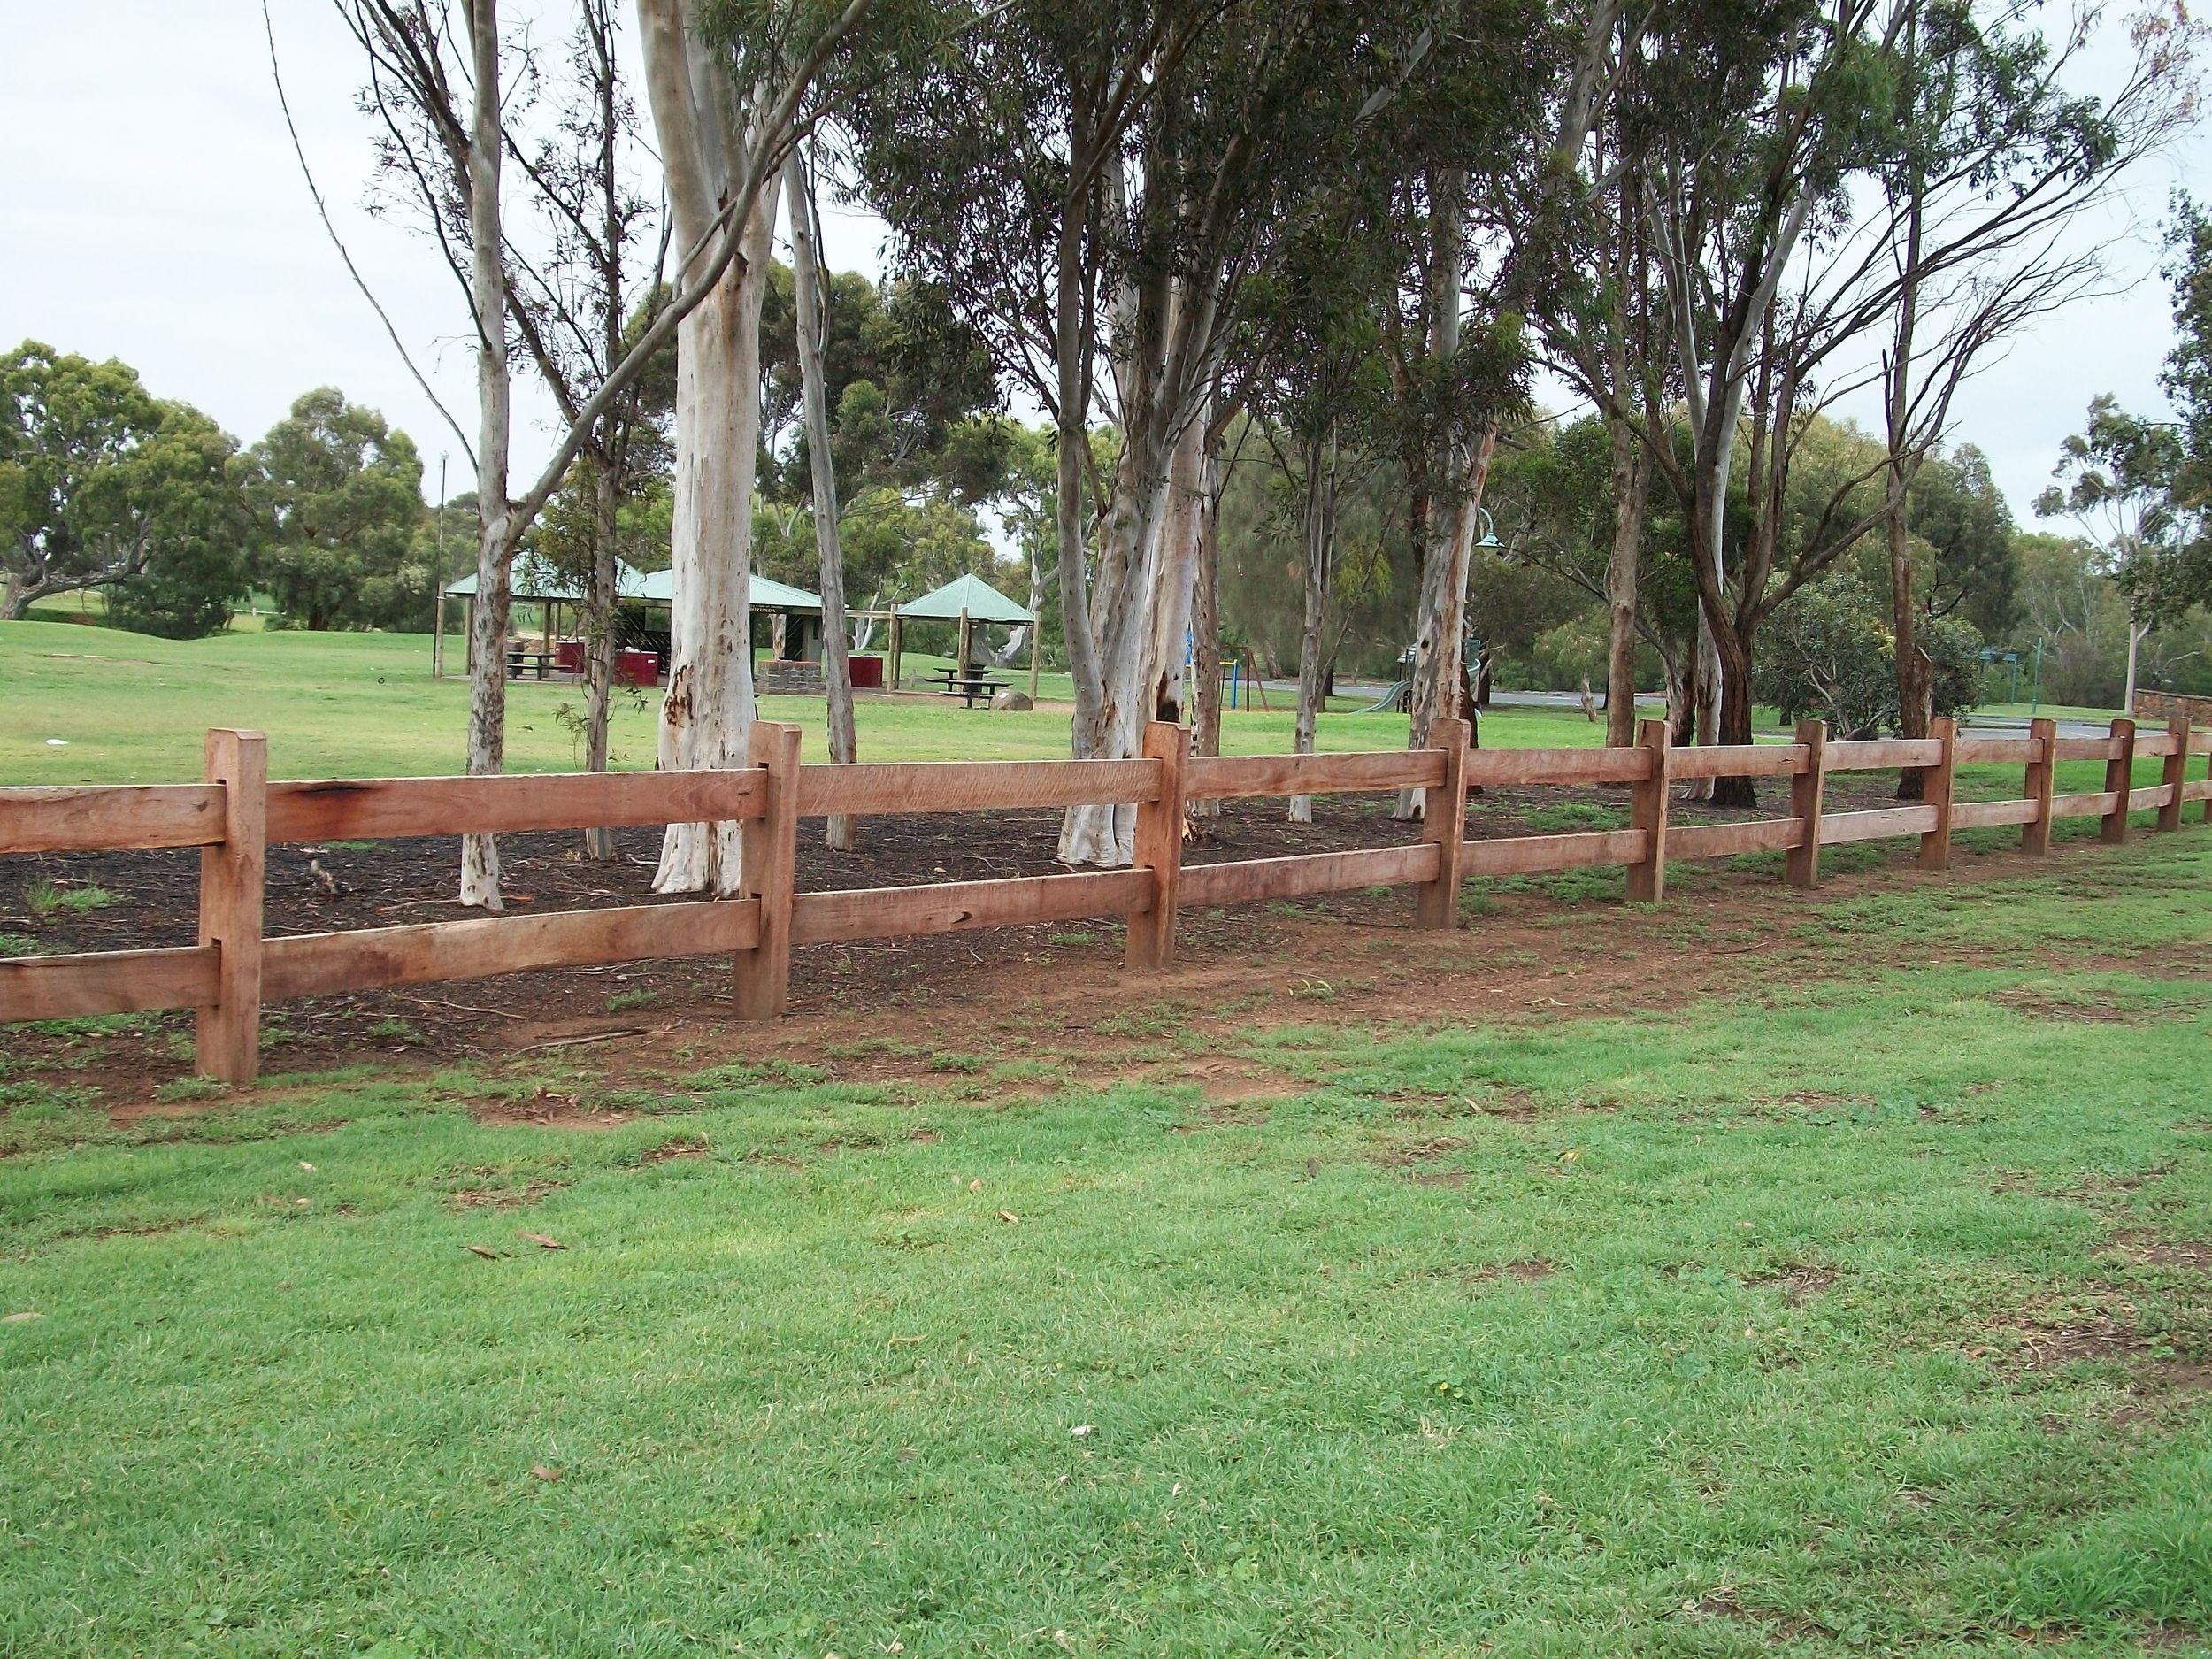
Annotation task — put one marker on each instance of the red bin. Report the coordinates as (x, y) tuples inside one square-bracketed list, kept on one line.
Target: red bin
[(867, 672), (637, 668)]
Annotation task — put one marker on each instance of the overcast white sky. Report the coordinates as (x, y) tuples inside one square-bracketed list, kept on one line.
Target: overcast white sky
[(151, 210)]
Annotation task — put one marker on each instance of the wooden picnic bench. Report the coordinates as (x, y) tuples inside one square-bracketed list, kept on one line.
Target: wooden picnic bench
[(969, 686)]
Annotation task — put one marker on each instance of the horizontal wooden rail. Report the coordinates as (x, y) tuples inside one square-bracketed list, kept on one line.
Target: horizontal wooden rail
[(1249, 880), (821, 918), (1836, 828), (1994, 751), (2085, 748), (1725, 840), (98, 817), (1880, 754), (2154, 745), (1738, 760), (978, 785), (316, 964), (1533, 855), (2084, 805), (1247, 777), (107, 982), (384, 809), (2200, 790), (2157, 795), (1500, 767), (1984, 814)]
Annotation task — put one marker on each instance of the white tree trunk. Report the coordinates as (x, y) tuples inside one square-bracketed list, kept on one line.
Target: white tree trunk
[(837, 674), (1140, 660), (494, 538), (708, 709), (1318, 517)]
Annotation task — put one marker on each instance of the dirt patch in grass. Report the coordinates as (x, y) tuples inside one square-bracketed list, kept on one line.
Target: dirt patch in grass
[(669, 1151), (502, 1197), (1532, 1270), (546, 1109), (2147, 1249), (1798, 1285)]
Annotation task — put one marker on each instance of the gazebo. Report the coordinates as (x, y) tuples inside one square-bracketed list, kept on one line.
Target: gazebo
[(533, 581), (966, 600)]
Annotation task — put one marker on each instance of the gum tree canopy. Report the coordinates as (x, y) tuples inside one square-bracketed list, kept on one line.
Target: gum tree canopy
[(100, 481)]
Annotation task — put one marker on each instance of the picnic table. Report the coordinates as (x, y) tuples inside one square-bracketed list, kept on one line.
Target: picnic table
[(529, 661), (966, 684)]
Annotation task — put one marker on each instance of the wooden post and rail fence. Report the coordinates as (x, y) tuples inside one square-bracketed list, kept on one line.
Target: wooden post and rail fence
[(237, 812)]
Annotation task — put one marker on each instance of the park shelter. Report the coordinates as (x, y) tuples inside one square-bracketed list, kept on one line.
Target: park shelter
[(966, 600), (532, 580)]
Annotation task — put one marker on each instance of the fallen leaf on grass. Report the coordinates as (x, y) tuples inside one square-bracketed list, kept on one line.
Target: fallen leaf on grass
[(484, 1250), (975, 1187), (541, 1241), (306, 1165), (543, 1474), (1008, 1217), (23, 1317)]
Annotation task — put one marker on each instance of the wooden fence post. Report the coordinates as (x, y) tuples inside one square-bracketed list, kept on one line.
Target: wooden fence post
[(1648, 812), (227, 1033), (1444, 824), (1936, 784), (2175, 771), (2035, 835), (2119, 774), (1807, 788), (1159, 848), (768, 870)]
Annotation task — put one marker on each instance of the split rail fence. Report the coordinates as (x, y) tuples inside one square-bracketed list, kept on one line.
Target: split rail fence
[(237, 812)]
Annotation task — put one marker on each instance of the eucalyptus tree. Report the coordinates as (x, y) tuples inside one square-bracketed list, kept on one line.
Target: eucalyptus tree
[(808, 309), (1090, 184), (1982, 191), (2124, 485), (728, 79), (102, 483)]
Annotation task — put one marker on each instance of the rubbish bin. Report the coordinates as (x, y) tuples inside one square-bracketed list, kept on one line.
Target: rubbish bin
[(637, 668), (867, 672)]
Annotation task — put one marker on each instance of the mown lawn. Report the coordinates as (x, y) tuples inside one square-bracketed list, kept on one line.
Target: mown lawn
[(1717, 1330), (132, 709)]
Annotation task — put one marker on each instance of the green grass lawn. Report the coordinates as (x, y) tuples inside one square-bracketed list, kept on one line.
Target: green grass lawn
[(129, 708), (1700, 1332)]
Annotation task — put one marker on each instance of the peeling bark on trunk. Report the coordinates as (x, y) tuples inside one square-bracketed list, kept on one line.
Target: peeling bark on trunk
[(1453, 505), (1318, 522), (1142, 660), (708, 710), (837, 678), (1206, 620), (599, 643), (1631, 483), (494, 536)]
